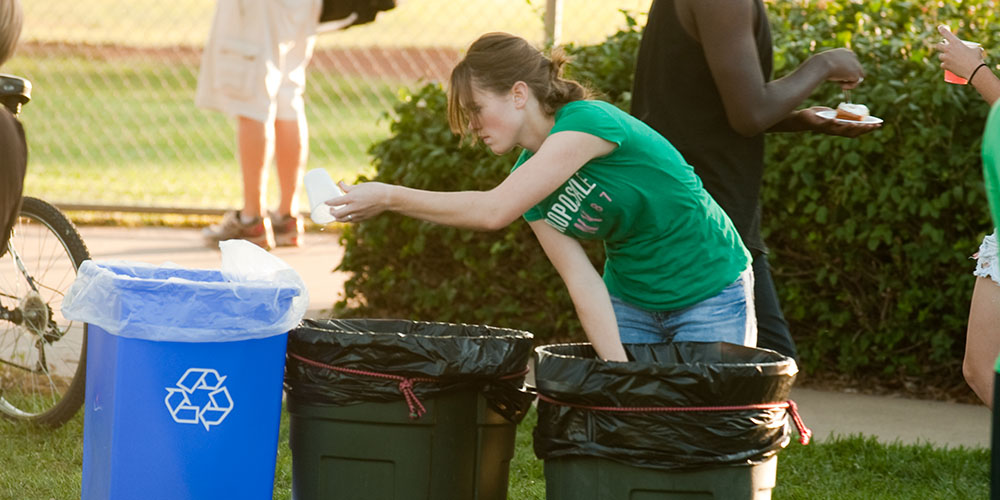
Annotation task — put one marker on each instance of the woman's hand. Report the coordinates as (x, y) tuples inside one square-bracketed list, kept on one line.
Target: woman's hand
[(955, 56), (360, 201), (811, 120)]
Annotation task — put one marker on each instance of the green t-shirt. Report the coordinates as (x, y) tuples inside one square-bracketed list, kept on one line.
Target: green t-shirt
[(991, 170), (991, 162), (668, 243)]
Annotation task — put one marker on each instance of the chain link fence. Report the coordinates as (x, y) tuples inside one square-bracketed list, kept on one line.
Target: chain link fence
[(112, 123)]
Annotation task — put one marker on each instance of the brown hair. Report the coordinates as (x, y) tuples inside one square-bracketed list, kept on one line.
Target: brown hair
[(495, 62), (11, 20)]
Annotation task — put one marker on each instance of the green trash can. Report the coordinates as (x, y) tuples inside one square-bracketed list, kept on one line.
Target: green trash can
[(404, 410), (592, 478), (681, 420)]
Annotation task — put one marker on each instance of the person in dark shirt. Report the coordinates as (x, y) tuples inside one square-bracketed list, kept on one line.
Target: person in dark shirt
[(703, 81), (13, 149)]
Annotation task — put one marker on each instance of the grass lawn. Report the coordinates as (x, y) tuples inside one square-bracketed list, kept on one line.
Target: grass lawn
[(112, 119), (126, 132), (109, 128), (41, 464), (412, 23)]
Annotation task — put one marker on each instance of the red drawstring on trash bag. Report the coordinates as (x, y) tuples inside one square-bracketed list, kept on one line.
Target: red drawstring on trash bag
[(417, 409), (804, 433)]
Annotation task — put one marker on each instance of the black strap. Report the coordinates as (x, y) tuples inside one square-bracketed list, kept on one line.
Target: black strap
[(973, 75)]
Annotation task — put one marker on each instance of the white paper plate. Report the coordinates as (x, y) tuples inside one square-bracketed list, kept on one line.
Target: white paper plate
[(832, 114)]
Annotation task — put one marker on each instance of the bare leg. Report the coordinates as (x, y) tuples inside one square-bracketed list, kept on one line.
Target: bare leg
[(253, 148), (291, 148), (983, 340)]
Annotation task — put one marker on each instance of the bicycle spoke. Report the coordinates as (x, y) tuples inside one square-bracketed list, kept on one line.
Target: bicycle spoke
[(42, 355)]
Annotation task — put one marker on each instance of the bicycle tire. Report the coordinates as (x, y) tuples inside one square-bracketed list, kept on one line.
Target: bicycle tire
[(52, 250)]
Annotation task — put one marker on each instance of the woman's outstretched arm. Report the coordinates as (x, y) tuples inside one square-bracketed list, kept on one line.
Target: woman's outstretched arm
[(558, 158)]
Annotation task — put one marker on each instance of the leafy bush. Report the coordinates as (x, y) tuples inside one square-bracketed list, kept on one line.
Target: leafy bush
[(607, 68), (869, 237)]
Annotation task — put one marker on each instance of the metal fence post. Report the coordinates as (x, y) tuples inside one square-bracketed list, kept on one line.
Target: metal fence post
[(553, 21)]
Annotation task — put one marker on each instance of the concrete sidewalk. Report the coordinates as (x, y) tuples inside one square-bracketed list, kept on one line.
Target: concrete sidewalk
[(892, 419), (826, 413)]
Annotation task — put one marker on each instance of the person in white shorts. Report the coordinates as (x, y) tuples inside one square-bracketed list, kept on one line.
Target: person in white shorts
[(254, 68), (982, 345)]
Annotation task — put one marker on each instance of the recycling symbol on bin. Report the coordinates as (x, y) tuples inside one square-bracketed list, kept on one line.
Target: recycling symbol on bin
[(199, 398)]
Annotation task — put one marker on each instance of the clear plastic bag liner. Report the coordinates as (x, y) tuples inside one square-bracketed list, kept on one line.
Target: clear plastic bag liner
[(255, 295), (457, 356), (670, 375)]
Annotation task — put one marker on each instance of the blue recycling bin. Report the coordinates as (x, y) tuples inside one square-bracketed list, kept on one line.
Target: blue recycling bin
[(184, 381)]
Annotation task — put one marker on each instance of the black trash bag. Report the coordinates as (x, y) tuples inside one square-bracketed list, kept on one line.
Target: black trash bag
[(492, 360), (679, 374)]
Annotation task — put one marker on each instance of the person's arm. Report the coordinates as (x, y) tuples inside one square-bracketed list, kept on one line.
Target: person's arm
[(586, 288), (561, 155), (753, 105), (963, 61), (987, 84)]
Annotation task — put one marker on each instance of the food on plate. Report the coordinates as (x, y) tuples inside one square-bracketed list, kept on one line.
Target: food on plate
[(852, 112)]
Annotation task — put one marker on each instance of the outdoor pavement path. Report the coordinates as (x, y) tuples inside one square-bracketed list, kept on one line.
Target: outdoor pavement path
[(890, 419), (893, 419)]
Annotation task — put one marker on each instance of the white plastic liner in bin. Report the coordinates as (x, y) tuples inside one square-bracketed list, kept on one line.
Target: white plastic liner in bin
[(254, 295)]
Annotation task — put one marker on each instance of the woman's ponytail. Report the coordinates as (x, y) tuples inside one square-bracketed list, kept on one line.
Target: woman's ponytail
[(495, 62), (561, 90)]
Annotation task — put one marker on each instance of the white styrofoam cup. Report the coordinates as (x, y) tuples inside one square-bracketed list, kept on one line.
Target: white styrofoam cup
[(320, 188)]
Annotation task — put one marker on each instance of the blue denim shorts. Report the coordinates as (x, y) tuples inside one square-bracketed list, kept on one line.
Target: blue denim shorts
[(726, 317)]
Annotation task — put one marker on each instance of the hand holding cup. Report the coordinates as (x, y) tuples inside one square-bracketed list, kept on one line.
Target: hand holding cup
[(959, 58)]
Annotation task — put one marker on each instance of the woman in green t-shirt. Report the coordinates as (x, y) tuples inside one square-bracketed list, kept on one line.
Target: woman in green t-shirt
[(676, 268)]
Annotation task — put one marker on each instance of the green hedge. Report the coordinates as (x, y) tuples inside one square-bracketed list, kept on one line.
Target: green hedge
[(870, 237)]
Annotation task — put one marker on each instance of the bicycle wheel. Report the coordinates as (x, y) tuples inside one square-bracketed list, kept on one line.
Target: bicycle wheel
[(42, 354)]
